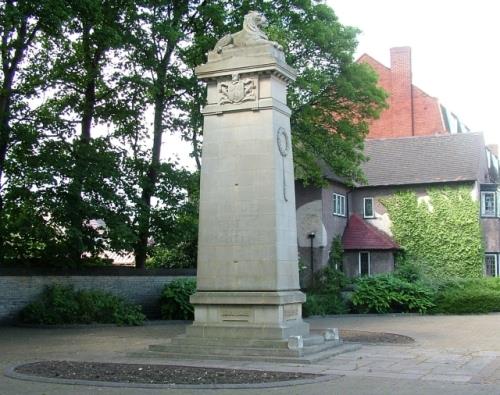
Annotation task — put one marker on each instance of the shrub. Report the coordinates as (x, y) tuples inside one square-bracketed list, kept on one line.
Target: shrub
[(170, 258), (174, 300), (323, 304), (468, 296), (63, 305), (324, 297), (388, 293), (329, 281)]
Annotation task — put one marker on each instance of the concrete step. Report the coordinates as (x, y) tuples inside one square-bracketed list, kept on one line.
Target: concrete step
[(275, 344), (307, 359), (237, 351)]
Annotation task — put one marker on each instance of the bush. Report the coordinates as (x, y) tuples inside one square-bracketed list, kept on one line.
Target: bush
[(60, 305), (324, 297), (174, 300), (170, 258), (388, 293), (329, 281), (468, 296), (321, 304)]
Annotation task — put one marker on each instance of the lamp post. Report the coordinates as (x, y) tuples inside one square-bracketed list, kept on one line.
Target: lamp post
[(311, 236)]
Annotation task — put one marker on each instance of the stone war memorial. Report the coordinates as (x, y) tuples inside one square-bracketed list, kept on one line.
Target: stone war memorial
[(248, 303)]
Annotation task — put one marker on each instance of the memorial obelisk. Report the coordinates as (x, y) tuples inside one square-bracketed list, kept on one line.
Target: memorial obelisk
[(248, 279), (248, 303)]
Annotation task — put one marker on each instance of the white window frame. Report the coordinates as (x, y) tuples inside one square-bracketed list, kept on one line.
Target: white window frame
[(364, 207), (369, 262), (483, 198), (338, 209), (496, 263)]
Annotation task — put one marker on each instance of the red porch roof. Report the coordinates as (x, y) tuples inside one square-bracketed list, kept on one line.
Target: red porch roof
[(360, 235)]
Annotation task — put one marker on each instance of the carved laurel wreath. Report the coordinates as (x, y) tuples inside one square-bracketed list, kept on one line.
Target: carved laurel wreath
[(283, 142)]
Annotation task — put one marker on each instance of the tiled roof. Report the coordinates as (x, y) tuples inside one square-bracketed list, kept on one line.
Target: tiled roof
[(425, 159), (360, 235)]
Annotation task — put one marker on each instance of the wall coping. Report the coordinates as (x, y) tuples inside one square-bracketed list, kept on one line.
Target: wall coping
[(92, 271)]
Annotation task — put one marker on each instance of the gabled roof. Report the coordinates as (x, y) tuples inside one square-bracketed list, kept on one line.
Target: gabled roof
[(360, 235), (424, 159)]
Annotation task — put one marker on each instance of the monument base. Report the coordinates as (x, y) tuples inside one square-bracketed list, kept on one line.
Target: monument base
[(241, 315), (312, 349), (261, 326)]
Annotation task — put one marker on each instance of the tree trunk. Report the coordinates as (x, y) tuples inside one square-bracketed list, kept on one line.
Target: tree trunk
[(150, 180), (75, 200)]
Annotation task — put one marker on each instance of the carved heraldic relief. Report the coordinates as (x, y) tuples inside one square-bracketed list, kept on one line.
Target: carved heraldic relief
[(238, 90)]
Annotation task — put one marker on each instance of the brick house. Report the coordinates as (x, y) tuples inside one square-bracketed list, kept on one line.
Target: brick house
[(416, 144)]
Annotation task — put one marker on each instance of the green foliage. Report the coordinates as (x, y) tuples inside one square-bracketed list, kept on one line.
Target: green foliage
[(324, 297), (445, 240), (329, 281), (174, 300), (171, 258), (102, 65), (323, 304), (63, 305), (388, 293), (468, 296), (336, 254)]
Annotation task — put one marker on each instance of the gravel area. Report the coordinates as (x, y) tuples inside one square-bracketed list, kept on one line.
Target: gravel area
[(154, 374)]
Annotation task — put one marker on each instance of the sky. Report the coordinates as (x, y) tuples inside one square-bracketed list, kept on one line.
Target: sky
[(455, 50)]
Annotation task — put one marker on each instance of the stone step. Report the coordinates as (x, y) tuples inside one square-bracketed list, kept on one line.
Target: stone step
[(307, 359), (276, 344), (222, 349)]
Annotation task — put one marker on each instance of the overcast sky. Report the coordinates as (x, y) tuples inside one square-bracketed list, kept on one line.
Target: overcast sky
[(455, 50)]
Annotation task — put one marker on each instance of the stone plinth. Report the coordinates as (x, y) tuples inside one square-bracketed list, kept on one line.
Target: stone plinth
[(248, 280)]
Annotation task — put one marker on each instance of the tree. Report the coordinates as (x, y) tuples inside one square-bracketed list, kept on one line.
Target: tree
[(333, 98), (21, 21), (159, 35)]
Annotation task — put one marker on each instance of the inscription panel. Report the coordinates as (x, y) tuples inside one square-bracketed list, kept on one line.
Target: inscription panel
[(290, 312), (240, 314)]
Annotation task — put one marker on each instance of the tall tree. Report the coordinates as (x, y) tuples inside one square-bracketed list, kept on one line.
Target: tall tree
[(21, 21), (74, 176), (159, 33)]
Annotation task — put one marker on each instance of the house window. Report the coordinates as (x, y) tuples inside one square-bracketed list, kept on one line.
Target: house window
[(488, 204), (338, 203), (364, 264), (490, 265), (368, 211)]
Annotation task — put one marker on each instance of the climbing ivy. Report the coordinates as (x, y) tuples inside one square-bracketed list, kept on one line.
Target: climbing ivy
[(443, 234)]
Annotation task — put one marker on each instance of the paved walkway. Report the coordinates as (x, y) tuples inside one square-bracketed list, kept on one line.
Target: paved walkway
[(452, 355)]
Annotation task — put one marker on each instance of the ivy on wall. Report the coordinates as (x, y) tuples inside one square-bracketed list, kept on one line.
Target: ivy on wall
[(443, 234)]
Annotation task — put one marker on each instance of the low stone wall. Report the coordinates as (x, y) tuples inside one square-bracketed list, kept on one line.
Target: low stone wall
[(20, 286)]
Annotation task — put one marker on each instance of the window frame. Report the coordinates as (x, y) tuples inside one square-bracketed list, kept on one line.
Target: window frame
[(364, 207), (342, 200), (491, 254), (369, 263), (482, 202)]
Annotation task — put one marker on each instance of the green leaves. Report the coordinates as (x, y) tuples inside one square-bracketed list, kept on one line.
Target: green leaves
[(174, 300), (391, 294), (59, 305), (443, 234)]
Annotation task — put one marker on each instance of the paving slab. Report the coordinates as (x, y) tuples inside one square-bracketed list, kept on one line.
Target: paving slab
[(441, 362)]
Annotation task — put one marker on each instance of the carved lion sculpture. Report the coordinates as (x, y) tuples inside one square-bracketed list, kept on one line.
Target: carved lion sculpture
[(249, 35)]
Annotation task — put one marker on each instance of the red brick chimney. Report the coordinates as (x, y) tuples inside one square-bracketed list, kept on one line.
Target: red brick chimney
[(401, 101)]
